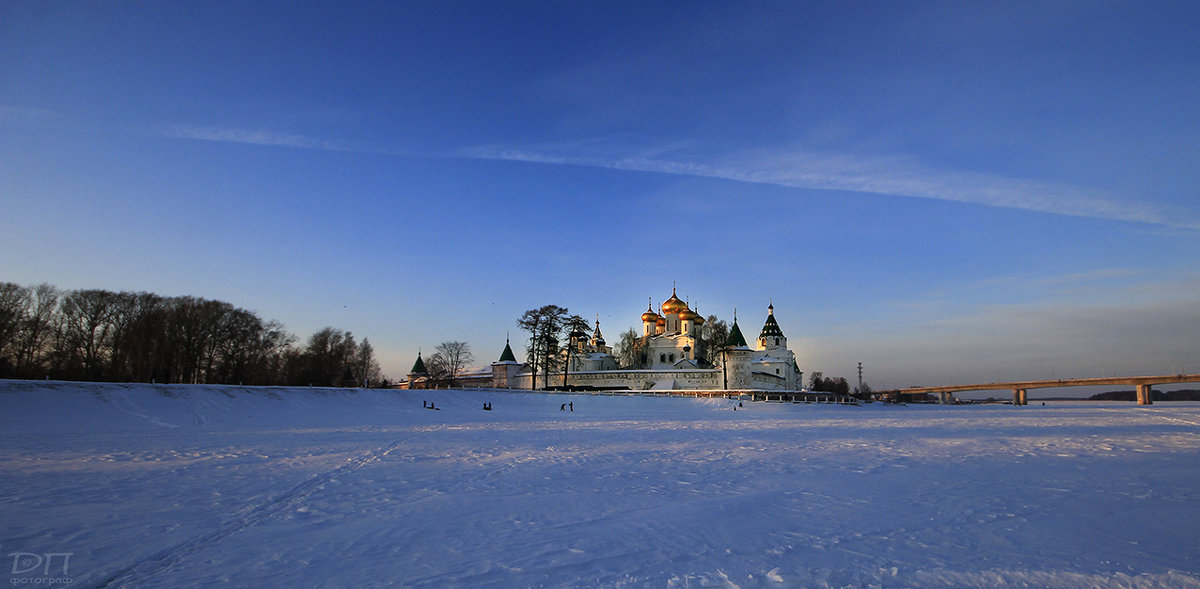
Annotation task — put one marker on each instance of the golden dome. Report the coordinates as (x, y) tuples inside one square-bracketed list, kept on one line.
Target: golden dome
[(661, 321), (650, 315), (673, 305)]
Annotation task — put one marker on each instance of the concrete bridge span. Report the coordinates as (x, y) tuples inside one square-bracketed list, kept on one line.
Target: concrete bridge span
[(1019, 388)]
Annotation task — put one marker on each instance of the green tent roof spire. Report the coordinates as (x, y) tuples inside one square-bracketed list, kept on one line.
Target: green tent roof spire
[(735, 339), (419, 366), (507, 354), (771, 327)]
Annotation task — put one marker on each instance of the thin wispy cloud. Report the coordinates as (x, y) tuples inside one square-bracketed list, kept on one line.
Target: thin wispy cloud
[(250, 137), (890, 176), (267, 138), (894, 176)]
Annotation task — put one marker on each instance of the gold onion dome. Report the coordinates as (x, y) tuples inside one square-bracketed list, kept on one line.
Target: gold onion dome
[(673, 305), (650, 315)]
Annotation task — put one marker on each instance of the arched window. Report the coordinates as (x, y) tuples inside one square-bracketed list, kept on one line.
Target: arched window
[(777, 341), (662, 358), (672, 357)]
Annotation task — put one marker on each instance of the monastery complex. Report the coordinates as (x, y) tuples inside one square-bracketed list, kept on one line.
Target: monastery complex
[(669, 360)]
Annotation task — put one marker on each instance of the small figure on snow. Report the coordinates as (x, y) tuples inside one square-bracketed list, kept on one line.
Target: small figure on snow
[(425, 404), (571, 405), (562, 407)]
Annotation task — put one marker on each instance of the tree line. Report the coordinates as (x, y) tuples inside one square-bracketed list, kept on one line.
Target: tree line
[(820, 383), (99, 335)]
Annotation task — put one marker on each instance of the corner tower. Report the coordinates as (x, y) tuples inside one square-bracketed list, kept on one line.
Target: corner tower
[(418, 377), (506, 369)]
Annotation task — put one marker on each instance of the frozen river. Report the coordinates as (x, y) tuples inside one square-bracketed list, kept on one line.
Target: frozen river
[(170, 486)]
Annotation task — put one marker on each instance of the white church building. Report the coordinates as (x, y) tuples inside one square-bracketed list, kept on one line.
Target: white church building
[(670, 361)]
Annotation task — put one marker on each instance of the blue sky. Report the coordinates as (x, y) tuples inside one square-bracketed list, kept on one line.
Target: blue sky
[(942, 191)]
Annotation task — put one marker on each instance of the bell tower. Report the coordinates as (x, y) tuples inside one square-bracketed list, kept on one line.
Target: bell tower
[(771, 337)]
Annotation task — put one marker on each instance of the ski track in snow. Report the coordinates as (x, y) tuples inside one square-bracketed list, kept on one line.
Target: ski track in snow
[(136, 574), (167, 485)]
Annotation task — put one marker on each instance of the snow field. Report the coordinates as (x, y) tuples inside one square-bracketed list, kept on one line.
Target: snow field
[(172, 485)]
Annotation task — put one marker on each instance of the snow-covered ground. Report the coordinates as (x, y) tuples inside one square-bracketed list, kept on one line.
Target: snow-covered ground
[(171, 486)]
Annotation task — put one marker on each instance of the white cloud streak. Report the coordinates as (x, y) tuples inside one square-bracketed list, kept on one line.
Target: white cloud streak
[(251, 137), (890, 176)]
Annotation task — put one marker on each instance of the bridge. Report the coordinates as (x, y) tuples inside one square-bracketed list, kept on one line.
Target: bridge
[(1019, 388)]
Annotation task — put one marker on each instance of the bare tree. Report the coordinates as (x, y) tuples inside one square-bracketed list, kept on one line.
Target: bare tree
[(452, 357), (36, 329), (85, 330), (14, 307), (327, 358), (366, 368), (437, 371), (238, 351), (276, 345), (631, 350), (713, 334), (126, 315)]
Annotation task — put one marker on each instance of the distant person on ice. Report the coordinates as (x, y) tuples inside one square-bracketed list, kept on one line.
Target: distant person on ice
[(571, 405), (562, 407)]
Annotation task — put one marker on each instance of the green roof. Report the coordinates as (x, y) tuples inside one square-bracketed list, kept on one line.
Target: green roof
[(735, 339), (419, 366), (771, 328), (507, 354)]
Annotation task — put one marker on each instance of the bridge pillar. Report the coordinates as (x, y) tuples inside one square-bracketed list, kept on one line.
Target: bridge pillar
[(1143, 395), (1020, 397)]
